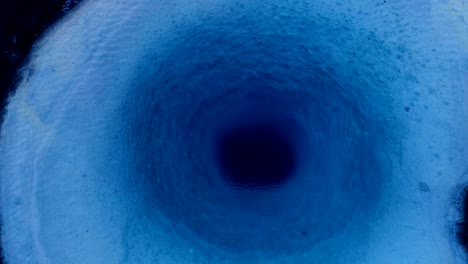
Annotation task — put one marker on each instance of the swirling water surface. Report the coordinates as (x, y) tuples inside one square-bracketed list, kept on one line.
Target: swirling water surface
[(130, 137)]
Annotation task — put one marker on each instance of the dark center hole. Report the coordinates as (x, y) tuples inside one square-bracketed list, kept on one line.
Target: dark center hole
[(256, 156)]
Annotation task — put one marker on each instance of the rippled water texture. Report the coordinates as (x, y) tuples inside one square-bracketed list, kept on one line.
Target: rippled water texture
[(239, 132)]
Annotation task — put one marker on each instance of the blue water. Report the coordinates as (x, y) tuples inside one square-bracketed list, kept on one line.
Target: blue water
[(239, 132)]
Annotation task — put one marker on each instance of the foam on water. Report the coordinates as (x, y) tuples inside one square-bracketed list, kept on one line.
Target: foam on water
[(107, 146)]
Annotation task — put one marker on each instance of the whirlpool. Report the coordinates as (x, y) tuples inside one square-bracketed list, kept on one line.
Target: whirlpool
[(225, 132)]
